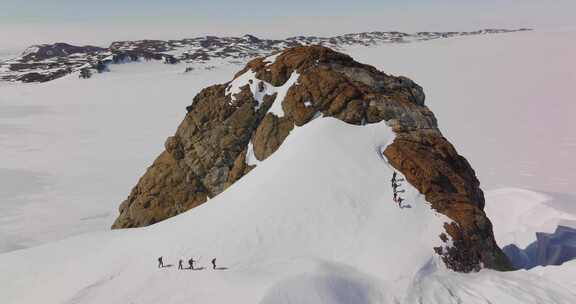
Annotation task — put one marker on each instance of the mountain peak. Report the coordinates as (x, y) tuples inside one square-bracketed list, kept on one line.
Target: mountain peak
[(251, 38), (230, 128)]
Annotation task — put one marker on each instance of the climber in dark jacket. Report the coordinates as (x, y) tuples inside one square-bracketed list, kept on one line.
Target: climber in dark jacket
[(180, 264), (160, 262), (191, 263), (400, 200), (214, 263)]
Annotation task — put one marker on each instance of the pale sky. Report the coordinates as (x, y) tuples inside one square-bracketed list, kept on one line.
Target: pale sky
[(26, 22)]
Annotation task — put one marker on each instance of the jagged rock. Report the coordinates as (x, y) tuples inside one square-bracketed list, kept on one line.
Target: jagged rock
[(253, 114)]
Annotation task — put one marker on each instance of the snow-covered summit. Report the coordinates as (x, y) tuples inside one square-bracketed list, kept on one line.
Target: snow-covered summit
[(253, 114)]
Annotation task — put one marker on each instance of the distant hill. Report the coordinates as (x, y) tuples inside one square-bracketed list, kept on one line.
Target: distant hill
[(41, 63)]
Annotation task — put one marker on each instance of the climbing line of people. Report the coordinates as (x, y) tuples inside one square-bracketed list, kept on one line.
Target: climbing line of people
[(395, 185), (191, 262)]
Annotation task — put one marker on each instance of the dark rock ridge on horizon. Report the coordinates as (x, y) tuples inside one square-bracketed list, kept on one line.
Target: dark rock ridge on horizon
[(41, 63), (229, 127)]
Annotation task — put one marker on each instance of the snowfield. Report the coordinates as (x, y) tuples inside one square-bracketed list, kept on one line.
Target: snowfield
[(322, 230), (71, 150), (313, 223)]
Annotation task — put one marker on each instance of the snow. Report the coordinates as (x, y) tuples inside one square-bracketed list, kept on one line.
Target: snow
[(539, 231), (337, 221), (276, 107), (548, 249), (236, 85), (314, 222), (272, 58), (533, 212), (249, 78), (561, 275), (258, 87), (251, 159), (8, 54), (72, 149), (488, 286)]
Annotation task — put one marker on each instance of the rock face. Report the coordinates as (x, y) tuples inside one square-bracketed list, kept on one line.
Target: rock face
[(229, 127)]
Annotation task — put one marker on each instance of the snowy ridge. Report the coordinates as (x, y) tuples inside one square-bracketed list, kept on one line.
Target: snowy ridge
[(282, 249), (48, 62), (265, 239)]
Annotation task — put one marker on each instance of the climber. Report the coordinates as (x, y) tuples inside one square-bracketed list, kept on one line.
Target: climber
[(395, 179), (191, 263), (180, 264), (214, 263), (160, 262), (400, 200)]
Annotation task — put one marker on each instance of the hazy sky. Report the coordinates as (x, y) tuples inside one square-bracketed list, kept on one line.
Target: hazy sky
[(24, 22)]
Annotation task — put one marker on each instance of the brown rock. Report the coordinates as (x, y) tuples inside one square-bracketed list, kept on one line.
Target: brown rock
[(270, 134)]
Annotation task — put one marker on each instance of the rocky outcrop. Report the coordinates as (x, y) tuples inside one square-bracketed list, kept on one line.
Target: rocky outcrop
[(59, 49), (229, 127)]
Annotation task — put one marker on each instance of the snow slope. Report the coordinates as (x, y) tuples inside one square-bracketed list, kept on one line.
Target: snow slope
[(71, 149), (322, 230), (328, 215)]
